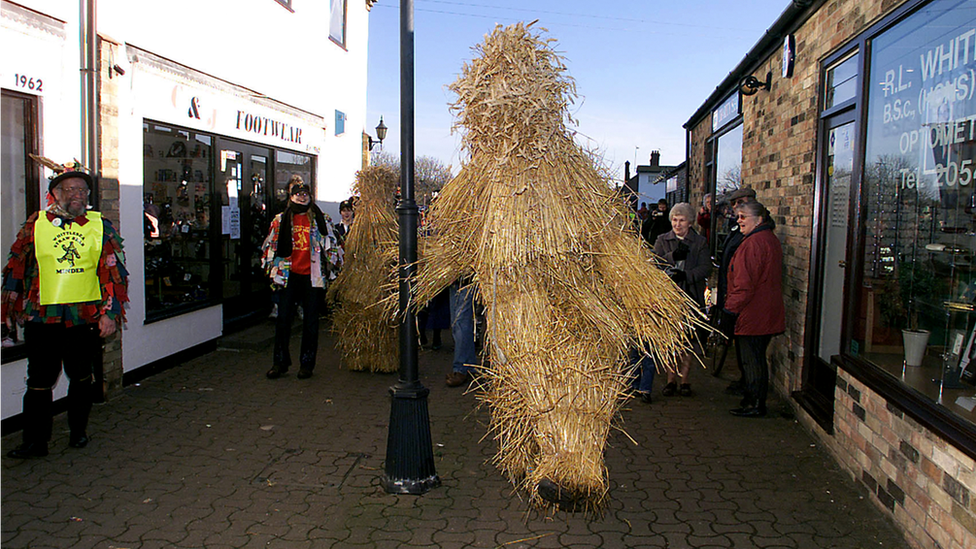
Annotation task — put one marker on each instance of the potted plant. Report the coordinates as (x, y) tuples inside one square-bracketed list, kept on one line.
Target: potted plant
[(920, 291)]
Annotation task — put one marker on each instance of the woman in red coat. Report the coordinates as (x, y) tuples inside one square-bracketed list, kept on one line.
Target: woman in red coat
[(755, 298)]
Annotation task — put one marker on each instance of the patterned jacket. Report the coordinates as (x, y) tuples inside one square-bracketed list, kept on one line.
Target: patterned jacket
[(21, 298), (324, 254)]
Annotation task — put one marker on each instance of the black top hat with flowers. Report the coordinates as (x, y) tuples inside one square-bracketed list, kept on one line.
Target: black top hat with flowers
[(64, 171)]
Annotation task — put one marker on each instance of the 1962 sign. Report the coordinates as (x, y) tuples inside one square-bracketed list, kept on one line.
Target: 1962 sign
[(27, 82)]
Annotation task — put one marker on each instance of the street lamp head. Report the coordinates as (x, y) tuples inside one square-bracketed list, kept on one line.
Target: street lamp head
[(381, 130)]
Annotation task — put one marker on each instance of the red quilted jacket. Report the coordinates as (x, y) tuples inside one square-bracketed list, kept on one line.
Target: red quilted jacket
[(755, 291)]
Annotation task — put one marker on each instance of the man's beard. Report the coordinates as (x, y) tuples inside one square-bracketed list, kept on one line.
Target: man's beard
[(75, 209)]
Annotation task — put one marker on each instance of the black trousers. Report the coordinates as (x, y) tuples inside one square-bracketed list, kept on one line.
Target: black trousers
[(51, 347), (755, 370), (299, 291)]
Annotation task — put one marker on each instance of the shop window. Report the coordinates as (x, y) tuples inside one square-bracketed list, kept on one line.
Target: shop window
[(337, 21), (917, 307), (19, 177), (728, 178), (177, 196)]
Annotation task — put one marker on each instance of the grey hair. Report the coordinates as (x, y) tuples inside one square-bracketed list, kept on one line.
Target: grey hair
[(753, 208), (683, 209)]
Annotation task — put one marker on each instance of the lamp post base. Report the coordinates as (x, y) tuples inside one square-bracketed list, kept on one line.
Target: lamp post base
[(409, 451)]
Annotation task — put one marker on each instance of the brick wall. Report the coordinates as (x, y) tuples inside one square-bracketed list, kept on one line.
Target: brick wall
[(108, 191), (924, 483)]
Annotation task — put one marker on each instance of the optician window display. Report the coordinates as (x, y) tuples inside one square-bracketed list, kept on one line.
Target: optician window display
[(917, 316)]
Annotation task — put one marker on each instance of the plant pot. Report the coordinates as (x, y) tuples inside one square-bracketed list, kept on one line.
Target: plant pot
[(915, 343)]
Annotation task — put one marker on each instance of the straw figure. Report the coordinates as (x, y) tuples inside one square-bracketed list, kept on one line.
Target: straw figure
[(566, 284), (365, 319)]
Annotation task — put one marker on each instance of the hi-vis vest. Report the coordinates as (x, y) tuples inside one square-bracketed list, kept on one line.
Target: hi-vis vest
[(67, 259)]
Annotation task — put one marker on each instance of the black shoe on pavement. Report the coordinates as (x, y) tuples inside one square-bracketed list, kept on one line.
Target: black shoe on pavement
[(276, 372), (79, 441), (457, 379), (304, 373), (645, 398), (28, 450), (751, 411), (685, 390), (670, 389)]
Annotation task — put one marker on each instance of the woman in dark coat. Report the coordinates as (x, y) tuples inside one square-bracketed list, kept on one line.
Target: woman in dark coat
[(755, 299), (689, 263)]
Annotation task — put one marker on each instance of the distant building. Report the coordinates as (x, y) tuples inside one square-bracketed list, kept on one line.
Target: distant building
[(646, 185)]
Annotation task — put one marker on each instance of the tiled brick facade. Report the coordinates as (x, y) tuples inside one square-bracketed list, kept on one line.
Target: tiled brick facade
[(108, 192), (925, 483)]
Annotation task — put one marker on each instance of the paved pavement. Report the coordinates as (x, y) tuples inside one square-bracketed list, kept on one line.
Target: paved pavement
[(210, 454)]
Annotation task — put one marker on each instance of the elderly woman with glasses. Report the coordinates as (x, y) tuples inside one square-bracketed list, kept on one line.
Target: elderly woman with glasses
[(755, 301), (688, 264)]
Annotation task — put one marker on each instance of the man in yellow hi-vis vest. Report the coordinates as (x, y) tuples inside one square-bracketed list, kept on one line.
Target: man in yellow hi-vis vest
[(65, 282)]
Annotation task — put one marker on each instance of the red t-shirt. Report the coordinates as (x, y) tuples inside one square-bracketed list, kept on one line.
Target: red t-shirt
[(301, 259)]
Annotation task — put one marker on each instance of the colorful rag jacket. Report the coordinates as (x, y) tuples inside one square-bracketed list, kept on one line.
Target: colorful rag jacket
[(21, 281), (324, 254)]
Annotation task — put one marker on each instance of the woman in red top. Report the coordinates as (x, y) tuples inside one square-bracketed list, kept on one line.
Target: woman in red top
[(755, 298), (299, 255)]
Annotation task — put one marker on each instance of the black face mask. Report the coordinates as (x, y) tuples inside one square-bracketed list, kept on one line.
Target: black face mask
[(299, 208)]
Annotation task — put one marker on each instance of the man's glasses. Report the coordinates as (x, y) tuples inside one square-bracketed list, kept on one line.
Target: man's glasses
[(75, 191)]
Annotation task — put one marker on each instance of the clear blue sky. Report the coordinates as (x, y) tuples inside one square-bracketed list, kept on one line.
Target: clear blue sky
[(642, 68)]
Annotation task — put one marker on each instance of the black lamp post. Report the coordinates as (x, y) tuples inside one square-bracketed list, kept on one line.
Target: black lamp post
[(409, 451), (380, 134)]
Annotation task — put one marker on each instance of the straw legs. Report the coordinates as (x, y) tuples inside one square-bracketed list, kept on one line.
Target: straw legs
[(298, 292), (49, 348), (755, 372), (462, 329)]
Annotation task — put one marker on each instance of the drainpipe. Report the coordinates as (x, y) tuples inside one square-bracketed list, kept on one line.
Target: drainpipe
[(89, 91)]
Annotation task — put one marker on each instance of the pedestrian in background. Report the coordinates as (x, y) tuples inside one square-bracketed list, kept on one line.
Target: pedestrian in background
[(705, 216), (755, 301), (346, 215), (656, 223), (66, 282), (299, 256), (686, 254)]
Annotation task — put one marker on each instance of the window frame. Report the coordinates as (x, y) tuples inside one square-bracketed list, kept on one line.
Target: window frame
[(32, 177), (341, 41)]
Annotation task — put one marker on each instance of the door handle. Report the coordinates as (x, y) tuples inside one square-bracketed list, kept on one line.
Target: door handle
[(842, 264)]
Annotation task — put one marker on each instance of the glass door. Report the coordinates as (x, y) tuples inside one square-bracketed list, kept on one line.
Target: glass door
[(827, 290), (243, 171)]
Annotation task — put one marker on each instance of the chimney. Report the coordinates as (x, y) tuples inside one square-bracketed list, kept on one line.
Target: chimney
[(655, 159), (626, 171)]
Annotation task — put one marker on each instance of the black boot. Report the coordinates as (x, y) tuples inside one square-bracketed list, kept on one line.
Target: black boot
[(79, 408), (29, 450)]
